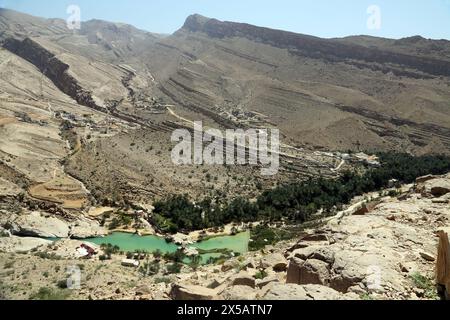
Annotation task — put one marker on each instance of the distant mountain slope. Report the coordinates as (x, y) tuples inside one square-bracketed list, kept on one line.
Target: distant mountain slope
[(352, 93), (331, 93)]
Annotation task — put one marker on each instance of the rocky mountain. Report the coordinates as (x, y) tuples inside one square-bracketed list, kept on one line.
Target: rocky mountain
[(102, 102), (339, 94), (332, 93), (86, 119)]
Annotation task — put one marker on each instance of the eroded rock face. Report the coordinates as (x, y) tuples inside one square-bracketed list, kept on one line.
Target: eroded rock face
[(56, 70), (315, 47), (189, 292), (85, 228), (37, 225), (276, 261), (438, 187), (18, 244), (311, 271)]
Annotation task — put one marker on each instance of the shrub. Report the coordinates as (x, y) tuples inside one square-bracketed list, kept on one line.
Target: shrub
[(46, 293), (425, 284), (173, 268), (261, 275), (149, 268), (62, 284), (163, 280), (295, 202)]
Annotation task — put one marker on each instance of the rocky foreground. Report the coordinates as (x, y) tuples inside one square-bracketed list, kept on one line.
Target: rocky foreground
[(382, 247)]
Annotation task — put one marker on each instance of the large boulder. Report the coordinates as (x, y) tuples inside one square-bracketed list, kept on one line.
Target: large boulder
[(280, 291), (293, 272), (188, 293), (37, 225), (298, 292), (317, 292), (305, 253), (438, 187), (276, 261), (243, 279), (239, 293), (311, 271), (17, 244), (325, 254), (85, 228), (376, 270)]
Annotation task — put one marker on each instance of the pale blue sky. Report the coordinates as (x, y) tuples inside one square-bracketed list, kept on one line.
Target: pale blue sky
[(324, 18)]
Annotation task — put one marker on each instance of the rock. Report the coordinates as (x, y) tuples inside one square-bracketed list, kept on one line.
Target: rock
[(293, 272), (408, 267), (315, 238), (350, 268), (427, 256), (286, 292), (181, 239), (425, 178), (228, 265), (86, 228), (438, 187), (239, 293), (440, 200), (18, 244), (191, 252), (4, 233), (249, 263), (305, 253), (325, 254), (130, 263), (364, 209), (215, 283), (311, 271), (443, 261), (143, 290), (318, 293), (298, 245), (243, 279), (36, 225), (419, 292), (264, 282), (298, 292), (357, 290), (275, 261), (189, 293)]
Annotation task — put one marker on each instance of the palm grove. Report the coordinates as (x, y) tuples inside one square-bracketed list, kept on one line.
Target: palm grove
[(295, 202)]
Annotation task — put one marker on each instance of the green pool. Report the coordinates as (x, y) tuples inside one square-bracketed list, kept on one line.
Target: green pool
[(132, 242)]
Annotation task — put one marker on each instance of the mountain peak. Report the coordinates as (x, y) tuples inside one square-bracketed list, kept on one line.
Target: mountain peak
[(195, 22)]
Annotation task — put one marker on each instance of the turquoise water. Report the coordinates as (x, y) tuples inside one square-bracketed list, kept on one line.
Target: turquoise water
[(133, 242)]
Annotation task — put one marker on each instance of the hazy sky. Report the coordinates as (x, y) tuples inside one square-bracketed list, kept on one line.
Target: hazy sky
[(324, 18)]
